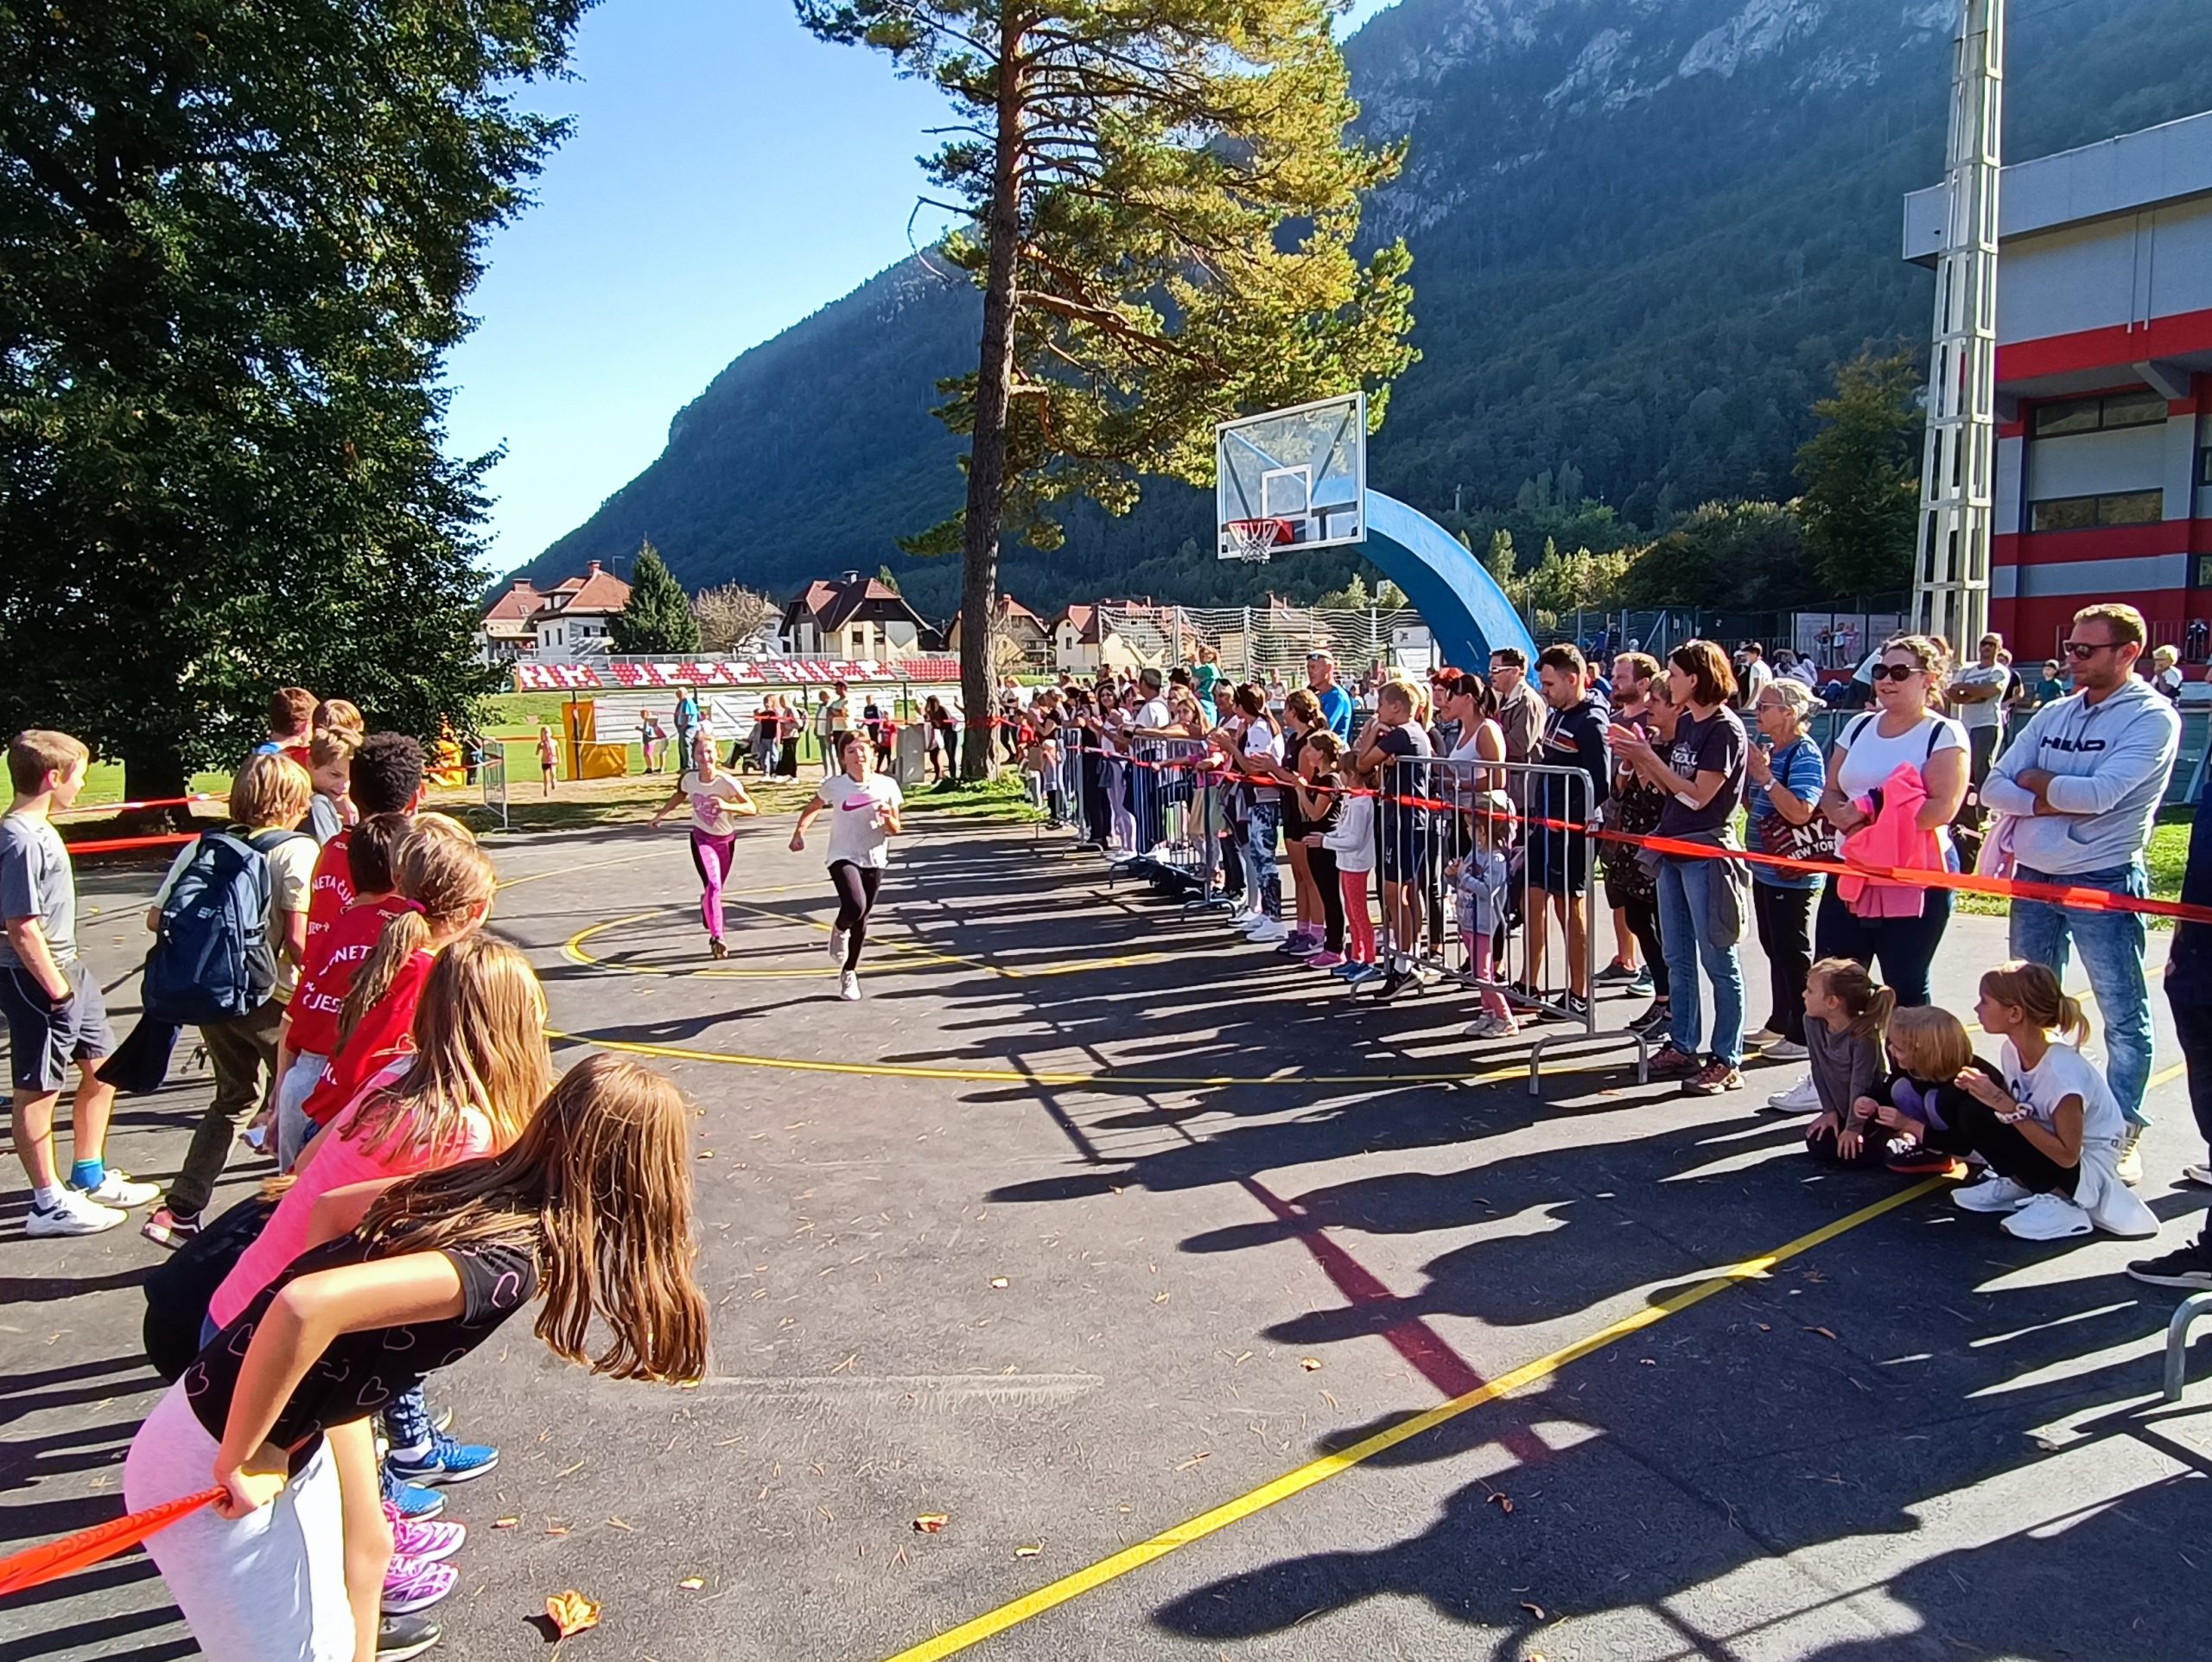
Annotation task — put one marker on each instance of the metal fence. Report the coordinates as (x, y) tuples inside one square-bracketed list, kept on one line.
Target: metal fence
[(1261, 643), (492, 777)]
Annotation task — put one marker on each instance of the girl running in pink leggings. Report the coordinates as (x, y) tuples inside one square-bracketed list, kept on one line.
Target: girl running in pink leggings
[(719, 802)]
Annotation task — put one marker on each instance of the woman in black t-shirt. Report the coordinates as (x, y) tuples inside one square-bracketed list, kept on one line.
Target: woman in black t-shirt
[(277, 1410), (1702, 774)]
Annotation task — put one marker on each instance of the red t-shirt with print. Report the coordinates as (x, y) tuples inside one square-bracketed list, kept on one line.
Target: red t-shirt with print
[(382, 1034), (330, 891), (333, 961)]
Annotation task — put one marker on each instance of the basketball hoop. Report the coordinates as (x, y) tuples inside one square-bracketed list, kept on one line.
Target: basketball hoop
[(1254, 540)]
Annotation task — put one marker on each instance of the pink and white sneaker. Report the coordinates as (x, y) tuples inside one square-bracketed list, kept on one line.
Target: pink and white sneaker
[(431, 1541), (1324, 960), (410, 1585)]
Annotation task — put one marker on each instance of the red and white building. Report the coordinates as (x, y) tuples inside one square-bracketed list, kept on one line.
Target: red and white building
[(2104, 384)]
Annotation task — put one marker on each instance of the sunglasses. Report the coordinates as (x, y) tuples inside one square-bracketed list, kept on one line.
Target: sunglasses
[(2083, 650), (1896, 672)]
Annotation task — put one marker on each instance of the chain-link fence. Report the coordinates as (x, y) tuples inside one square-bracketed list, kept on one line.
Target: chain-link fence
[(1261, 643)]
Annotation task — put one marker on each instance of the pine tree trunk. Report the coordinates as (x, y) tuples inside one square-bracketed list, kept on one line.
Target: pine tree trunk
[(979, 562)]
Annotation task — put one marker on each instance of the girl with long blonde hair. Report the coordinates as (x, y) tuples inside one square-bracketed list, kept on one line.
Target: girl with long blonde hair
[(590, 1211)]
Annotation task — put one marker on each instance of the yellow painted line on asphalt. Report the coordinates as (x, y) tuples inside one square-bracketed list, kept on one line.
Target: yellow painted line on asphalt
[(1315, 1472)]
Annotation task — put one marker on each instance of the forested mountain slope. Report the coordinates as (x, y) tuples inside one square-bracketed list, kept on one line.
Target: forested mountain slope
[(1643, 233)]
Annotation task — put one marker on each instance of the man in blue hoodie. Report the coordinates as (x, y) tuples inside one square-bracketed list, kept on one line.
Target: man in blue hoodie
[(2084, 779)]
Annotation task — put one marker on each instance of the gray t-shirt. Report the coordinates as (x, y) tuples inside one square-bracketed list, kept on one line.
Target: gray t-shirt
[(35, 881)]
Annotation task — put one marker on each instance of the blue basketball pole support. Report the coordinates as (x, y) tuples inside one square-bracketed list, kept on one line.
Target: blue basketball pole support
[(1465, 610)]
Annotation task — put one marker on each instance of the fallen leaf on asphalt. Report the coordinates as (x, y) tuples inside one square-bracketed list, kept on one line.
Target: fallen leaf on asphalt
[(1535, 1610), (1029, 1551), (1764, 1328), (570, 1612), (556, 1529), (930, 1522), (694, 1582), (998, 1281), (1823, 1332), (504, 1523), (1504, 1502), (1311, 1364), (1160, 1298)]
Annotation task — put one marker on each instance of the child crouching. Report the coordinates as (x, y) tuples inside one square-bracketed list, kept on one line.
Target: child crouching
[(1846, 1011), (1930, 1052)]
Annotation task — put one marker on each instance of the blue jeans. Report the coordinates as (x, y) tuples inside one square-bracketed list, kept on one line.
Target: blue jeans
[(1263, 881), (2112, 952), (1684, 899)]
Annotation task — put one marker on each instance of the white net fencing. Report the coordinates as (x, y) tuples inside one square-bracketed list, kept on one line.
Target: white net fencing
[(1260, 643)]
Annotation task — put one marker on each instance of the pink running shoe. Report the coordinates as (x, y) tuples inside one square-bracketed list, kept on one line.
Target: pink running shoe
[(431, 1541), (410, 1585), (1324, 961)]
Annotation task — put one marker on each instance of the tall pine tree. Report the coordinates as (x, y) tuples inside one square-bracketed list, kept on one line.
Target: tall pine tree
[(240, 240), (1861, 505), (1158, 204), (656, 620)]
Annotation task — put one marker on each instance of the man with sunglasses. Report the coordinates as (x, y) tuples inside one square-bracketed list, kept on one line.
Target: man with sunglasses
[(2085, 778)]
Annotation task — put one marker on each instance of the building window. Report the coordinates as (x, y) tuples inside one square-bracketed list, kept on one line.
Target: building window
[(2088, 512), (2204, 466), (2141, 408)]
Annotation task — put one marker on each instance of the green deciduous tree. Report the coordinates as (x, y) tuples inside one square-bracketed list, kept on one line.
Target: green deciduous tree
[(1159, 205), (239, 239), (657, 618), (1861, 471), (1736, 554)]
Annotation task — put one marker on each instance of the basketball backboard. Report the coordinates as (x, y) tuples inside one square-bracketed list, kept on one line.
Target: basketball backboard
[(1306, 466)]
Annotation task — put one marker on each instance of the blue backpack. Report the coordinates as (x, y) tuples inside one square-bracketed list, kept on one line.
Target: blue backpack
[(211, 960)]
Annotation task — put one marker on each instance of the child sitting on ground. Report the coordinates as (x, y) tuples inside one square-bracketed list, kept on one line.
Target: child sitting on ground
[(1845, 1010), (1479, 888), (1930, 1050), (2050, 1135)]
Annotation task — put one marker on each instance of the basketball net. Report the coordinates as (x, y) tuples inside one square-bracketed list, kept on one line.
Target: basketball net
[(1254, 540)]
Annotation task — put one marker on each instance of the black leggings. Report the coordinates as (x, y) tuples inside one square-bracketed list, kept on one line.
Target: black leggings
[(855, 885), (1904, 946), (1643, 923), (1783, 914), (1321, 871), (1976, 1129)]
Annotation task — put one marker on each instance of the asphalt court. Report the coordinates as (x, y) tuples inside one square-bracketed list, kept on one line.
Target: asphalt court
[(1090, 1221)]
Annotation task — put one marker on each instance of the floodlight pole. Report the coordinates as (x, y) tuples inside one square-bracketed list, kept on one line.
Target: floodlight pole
[(1958, 474)]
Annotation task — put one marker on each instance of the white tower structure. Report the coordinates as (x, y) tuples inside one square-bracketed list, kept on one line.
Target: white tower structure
[(1958, 473)]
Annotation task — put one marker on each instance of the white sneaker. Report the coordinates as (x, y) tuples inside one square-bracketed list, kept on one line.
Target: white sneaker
[(1488, 1026), (1782, 1050), (848, 986), (71, 1214), (1270, 929), (119, 1188), (2130, 1167), (1763, 1036), (1993, 1193), (837, 946), (2200, 1175), (2048, 1218), (1802, 1097)]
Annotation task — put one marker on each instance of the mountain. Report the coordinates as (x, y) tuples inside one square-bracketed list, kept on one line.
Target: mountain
[(1644, 231)]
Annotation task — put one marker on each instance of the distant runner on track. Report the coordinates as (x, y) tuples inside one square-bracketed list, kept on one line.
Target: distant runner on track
[(864, 816), (718, 801)]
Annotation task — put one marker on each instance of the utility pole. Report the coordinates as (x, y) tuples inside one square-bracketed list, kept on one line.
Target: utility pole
[(1958, 472)]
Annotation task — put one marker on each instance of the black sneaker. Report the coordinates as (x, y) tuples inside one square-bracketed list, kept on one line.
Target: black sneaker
[(1653, 1022), (1616, 974), (401, 1637), (2187, 1266)]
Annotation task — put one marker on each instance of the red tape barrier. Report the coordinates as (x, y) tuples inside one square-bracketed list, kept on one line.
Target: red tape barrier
[(110, 844), (1969, 883), (150, 802), (28, 1568)]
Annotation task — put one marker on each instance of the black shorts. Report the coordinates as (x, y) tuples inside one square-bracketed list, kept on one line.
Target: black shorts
[(1559, 861), (43, 1037), (1402, 853)]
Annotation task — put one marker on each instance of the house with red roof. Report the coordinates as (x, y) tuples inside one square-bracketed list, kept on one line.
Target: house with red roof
[(558, 625), (1019, 624), (504, 635)]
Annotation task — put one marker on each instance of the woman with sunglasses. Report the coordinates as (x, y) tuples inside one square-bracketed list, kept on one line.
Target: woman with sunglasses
[(1900, 731)]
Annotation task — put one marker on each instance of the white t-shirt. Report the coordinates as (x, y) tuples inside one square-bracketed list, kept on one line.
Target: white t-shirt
[(856, 834), (1990, 712), (1871, 759), (292, 873), (708, 817), (1153, 715), (2065, 1071)]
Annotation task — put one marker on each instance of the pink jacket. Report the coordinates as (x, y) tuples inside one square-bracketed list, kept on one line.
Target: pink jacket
[(1892, 838)]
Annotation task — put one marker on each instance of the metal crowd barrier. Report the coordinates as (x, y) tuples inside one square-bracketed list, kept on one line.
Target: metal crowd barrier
[(492, 775), (1436, 841), (1159, 827)]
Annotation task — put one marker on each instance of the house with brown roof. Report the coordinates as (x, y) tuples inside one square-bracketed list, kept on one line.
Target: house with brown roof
[(571, 622), (857, 619), (504, 635), (1018, 624), (1112, 635)]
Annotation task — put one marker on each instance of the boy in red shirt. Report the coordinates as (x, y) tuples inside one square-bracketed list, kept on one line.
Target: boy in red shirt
[(386, 777), (309, 1034)]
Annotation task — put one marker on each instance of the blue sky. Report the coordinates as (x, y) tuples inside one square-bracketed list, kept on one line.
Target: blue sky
[(728, 175)]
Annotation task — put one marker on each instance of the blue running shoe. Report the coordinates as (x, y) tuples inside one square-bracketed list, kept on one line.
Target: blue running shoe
[(444, 1462), (408, 1499)]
